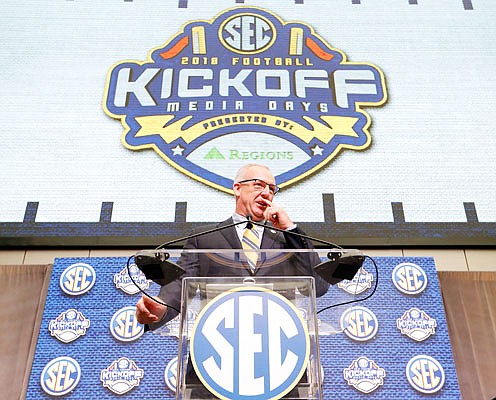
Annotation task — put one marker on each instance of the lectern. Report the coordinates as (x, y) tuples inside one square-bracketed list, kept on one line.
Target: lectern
[(252, 338), (248, 335)]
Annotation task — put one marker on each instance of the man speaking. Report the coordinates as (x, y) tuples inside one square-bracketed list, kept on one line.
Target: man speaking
[(254, 189)]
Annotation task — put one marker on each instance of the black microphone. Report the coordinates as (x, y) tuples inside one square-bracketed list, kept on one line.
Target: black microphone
[(157, 267), (342, 264), (249, 225)]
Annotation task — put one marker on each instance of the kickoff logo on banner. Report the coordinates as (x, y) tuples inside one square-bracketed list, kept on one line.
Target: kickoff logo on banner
[(245, 87), (250, 343)]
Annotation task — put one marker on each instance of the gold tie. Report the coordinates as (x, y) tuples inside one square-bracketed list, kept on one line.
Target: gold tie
[(251, 241)]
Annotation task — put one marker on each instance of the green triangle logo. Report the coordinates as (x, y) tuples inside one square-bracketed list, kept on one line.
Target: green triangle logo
[(214, 154)]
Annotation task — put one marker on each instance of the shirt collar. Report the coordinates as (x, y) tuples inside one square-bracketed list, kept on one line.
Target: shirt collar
[(241, 218)]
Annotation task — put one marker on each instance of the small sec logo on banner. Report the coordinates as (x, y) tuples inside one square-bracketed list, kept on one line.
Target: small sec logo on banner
[(250, 343), (77, 279), (359, 323), (124, 326), (170, 374), (60, 376), (425, 374), (409, 278)]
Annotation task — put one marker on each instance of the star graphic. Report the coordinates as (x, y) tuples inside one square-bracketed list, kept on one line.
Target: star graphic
[(317, 150), (178, 150)]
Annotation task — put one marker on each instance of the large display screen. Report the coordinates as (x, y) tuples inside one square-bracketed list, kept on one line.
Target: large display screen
[(126, 121)]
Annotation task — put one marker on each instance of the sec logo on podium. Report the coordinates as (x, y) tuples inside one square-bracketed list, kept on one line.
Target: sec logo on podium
[(250, 343)]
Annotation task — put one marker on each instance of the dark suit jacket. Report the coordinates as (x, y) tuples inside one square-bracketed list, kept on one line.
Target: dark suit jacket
[(201, 265), (204, 265)]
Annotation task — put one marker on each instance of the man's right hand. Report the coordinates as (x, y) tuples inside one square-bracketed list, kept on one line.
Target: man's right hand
[(149, 311)]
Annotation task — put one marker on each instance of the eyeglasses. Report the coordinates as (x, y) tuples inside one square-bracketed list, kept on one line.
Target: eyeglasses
[(260, 185)]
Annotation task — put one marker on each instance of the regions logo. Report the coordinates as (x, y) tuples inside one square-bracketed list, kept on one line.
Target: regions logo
[(124, 326), (243, 87), (364, 375), (425, 374), (416, 324), (359, 323), (250, 343), (170, 374), (409, 278), (359, 284), (121, 376), (69, 325), (123, 281), (60, 376), (77, 279)]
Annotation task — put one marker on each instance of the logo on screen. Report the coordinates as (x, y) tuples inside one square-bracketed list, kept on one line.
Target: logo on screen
[(124, 326), (69, 325), (77, 279), (425, 374), (409, 278), (121, 376), (364, 375), (416, 324), (249, 343), (60, 376), (244, 87), (359, 323), (123, 281)]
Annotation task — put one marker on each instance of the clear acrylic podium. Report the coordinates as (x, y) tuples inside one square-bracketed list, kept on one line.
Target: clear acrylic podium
[(307, 382), (245, 335)]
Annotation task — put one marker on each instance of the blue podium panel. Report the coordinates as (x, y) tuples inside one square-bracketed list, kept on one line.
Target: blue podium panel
[(112, 335), (394, 345)]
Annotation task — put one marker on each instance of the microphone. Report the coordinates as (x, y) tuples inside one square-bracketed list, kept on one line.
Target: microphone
[(249, 225), (157, 267), (342, 264)]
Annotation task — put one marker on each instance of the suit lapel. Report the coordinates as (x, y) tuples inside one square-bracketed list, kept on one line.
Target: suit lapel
[(268, 238), (230, 234)]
